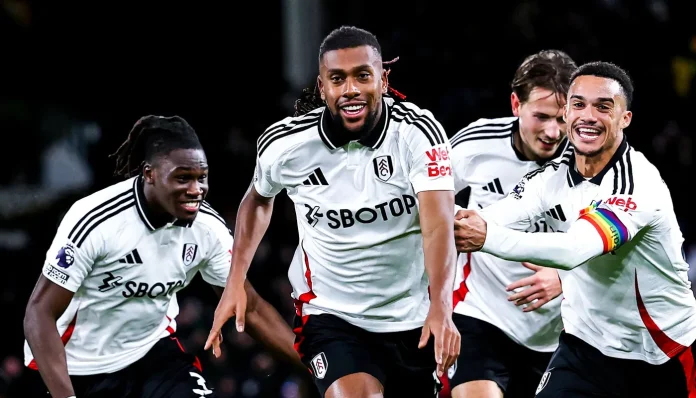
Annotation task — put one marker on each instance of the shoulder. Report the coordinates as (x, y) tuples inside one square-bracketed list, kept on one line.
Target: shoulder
[(485, 132), (415, 123), (209, 219), (98, 209), (552, 168), (636, 175), (279, 136)]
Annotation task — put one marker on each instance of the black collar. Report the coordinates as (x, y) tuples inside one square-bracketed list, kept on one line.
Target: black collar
[(145, 212), (373, 138), (516, 130), (575, 178)]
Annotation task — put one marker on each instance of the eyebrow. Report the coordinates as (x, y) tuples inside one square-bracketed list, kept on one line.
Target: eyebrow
[(600, 99), (360, 67), (189, 168)]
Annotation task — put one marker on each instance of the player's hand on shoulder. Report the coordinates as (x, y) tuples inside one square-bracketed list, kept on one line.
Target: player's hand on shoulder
[(469, 231), (537, 289), (232, 304)]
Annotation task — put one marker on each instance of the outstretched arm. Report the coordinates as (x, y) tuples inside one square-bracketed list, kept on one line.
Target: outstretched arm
[(253, 218)]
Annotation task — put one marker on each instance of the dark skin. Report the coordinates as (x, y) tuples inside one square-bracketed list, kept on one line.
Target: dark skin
[(181, 176), (354, 77)]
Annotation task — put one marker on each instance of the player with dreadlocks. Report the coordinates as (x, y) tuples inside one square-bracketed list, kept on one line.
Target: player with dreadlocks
[(309, 100), (373, 273), (101, 319)]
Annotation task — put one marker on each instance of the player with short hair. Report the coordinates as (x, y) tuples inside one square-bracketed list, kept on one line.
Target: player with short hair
[(101, 319), (506, 349), (628, 313), (373, 273)]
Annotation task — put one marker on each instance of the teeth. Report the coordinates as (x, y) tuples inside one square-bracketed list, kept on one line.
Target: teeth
[(191, 204), (353, 108), (588, 131)]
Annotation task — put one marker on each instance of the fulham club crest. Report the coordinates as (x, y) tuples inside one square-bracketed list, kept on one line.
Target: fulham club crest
[(189, 253), (384, 168), (319, 365)]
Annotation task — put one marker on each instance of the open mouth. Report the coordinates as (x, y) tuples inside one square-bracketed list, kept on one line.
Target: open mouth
[(548, 144), (353, 110), (588, 134), (191, 206)]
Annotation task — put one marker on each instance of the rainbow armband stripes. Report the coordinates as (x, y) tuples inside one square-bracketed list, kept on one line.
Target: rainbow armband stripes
[(613, 232)]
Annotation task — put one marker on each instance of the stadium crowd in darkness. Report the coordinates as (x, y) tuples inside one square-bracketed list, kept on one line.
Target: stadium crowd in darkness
[(66, 108)]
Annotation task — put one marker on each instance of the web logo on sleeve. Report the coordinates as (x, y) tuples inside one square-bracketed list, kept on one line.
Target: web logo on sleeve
[(613, 232), (439, 164)]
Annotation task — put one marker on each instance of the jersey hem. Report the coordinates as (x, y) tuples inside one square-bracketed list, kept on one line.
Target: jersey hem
[(380, 326), (653, 360)]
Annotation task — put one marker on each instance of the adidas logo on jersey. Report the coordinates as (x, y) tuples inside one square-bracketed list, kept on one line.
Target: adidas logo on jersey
[(494, 186), (132, 258), (557, 213), (316, 178)]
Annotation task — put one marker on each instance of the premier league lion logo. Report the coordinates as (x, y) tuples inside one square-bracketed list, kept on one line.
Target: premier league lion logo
[(66, 256)]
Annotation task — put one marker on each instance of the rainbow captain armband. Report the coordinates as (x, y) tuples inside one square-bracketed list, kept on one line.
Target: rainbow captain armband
[(613, 232)]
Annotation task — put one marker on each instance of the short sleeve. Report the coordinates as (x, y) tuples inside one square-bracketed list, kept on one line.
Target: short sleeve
[(73, 252), (216, 269), (430, 166)]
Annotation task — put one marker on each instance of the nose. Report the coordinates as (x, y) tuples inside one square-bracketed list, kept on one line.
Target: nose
[(195, 188), (553, 131), (351, 89)]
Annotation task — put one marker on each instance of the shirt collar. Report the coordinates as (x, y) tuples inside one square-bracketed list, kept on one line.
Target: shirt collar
[(145, 212), (575, 178), (334, 139)]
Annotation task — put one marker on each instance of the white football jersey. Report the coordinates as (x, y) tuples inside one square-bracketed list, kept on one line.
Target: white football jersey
[(486, 167), (125, 273), (360, 252), (627, 292)]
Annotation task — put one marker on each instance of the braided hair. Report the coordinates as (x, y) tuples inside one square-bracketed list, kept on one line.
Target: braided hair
[(153, 136), (343, 37)]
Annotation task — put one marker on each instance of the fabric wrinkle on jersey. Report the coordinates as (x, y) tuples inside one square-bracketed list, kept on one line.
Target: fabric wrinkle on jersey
[(487, 165), (360, 255), (632, 302), (125, 273)]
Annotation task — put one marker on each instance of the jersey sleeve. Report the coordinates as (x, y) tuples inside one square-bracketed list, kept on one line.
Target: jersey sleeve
[(430, 167), (602, 227), (617, 219), (73, 252), (267, 180), (217, 268), (522, 205)]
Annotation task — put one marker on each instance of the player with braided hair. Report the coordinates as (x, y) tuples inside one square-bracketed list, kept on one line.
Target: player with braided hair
[(101, 321)]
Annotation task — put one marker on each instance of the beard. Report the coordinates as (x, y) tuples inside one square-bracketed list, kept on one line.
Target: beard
[(340, 128)]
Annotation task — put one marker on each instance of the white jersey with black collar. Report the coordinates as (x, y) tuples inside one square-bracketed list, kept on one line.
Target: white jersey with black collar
[(627, 291), (125, 272), (487, 166), (360, 252)]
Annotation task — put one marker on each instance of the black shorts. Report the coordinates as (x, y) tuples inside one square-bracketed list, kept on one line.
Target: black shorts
[(489, 354), (579, 370), (332, 348), (167, 371)]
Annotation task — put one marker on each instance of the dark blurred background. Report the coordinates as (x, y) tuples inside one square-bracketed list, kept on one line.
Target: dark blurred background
[(76, 76)]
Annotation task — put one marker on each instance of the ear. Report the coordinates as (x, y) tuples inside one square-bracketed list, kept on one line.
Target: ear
[(320, 84), (385, 81), (626, 119), (515, 103), (149, 173), (565, 112)]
